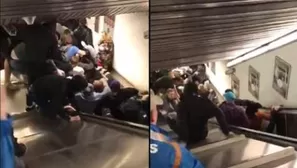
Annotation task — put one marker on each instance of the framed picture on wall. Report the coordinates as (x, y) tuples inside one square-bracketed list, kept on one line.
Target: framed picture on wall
[(281, 77), (254, 82), (235, 85)]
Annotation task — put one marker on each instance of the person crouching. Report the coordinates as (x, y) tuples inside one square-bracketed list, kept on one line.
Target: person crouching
[(55, 95)]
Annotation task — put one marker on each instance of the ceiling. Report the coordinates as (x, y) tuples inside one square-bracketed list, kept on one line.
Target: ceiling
[(12, 10), (187, 32)]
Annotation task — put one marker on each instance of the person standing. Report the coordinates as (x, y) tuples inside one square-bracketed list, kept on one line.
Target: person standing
[(194, 111)]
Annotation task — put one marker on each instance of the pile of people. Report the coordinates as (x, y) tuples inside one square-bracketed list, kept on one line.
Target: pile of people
[(188, 102), (65, 75)]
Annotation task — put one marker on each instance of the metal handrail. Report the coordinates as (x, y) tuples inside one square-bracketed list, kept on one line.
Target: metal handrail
[(106, 119), (263, 136)]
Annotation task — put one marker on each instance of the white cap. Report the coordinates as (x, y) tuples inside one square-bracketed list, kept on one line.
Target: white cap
[(78, 71)]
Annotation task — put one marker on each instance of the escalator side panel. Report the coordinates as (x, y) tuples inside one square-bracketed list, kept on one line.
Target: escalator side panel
[(238, 153), (46, 137), (123, 152)]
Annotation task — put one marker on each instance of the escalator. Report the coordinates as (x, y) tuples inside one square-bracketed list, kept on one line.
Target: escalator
[(240, 151), (94, 142)]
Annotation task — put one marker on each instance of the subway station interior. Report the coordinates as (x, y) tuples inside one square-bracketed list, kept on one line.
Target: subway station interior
[(247, 46), (234, 40)]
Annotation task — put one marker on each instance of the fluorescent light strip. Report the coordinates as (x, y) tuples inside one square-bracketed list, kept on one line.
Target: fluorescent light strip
[(273, 45)]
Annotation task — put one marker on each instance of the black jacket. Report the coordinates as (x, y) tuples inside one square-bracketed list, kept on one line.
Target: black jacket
[(251, 106), (83, 33), (113, 102), (193, 115), (40, 42), (52, 91)]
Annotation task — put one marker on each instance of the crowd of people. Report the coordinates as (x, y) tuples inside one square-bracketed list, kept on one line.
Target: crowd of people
[(65, 75), (189, 101), (184, 99)]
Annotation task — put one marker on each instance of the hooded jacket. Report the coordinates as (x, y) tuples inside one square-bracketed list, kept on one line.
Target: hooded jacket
[(165, 153), (6, 141)]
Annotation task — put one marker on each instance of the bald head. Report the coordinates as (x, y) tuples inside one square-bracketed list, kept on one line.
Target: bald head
[(98, 85)]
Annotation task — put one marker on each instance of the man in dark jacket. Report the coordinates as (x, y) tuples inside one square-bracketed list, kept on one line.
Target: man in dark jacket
[(193, 114), (83, 33), (55, 95)]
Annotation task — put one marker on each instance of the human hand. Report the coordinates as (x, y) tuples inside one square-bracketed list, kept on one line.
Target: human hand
[(60, 72), (275, 108)]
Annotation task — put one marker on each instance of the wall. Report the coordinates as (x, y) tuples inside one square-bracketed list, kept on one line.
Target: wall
[(131, 49), (219, 79), (264, 64), (96, 35)]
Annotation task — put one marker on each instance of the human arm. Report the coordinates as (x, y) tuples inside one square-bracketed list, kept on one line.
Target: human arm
[(243, 102), (219, 115), (106, 89), (86, 66), (245, 122)]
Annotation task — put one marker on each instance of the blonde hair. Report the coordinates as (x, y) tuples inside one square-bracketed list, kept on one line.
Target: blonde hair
[(66, 34), (105, 38), (74, 60)]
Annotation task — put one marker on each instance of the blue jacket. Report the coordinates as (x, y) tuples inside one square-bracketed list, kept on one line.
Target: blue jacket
[(165, 153), (7, 151)]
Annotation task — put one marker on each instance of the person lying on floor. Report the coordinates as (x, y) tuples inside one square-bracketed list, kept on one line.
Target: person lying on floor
[(253, 112), (135, 110), (113, 100), (80, 58), (55, 95), (164, 151), (88, 98)]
